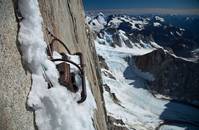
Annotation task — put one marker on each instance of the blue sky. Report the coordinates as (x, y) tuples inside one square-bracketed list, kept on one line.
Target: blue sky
[(129, 4)]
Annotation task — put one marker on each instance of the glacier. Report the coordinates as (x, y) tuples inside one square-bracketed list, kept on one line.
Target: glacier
[(126, 95)]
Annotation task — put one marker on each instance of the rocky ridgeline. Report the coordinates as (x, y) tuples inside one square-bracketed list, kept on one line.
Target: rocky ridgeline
[(175, 77)]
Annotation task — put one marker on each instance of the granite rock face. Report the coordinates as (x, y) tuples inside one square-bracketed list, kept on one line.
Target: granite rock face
[(14, 81), (175, 77), (65, 19)]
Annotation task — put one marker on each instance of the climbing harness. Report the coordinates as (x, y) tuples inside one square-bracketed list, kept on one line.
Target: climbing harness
[(63, 65)]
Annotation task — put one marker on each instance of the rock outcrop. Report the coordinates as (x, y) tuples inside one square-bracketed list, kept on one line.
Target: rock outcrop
[(115, 124), (65, 19), (175, 77)]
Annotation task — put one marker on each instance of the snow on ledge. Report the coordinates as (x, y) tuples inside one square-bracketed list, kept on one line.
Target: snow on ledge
[(55, 108)]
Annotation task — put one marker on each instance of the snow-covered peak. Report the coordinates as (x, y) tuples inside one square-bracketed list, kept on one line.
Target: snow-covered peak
[(115, 22), (133, 22), (101, 18), (101, 14), (88, 19), (96, 23), (156, 24), (158, 18)]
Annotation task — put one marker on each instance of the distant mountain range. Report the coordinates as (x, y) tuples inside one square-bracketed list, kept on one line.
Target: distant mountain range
[(179, 35), (149, 66)]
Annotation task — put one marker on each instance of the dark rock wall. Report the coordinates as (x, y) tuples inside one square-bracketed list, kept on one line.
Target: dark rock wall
[(174, 77)]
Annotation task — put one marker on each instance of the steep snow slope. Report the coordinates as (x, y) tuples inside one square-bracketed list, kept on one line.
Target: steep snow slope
[(126, 93), (55, 108)]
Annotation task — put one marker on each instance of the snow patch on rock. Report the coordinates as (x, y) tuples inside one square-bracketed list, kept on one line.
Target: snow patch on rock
[(55, 108)]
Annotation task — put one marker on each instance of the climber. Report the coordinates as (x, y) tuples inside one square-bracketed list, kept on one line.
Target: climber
[(65, 67)]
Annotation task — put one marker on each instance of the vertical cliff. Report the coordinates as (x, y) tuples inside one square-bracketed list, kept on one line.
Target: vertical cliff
[(14, 81), (65, 19)]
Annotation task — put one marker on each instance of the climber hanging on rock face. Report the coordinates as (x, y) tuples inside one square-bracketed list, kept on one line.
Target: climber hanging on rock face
[(70, 68)]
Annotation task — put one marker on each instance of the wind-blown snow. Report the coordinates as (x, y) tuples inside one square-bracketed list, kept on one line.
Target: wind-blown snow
[(55, 108)]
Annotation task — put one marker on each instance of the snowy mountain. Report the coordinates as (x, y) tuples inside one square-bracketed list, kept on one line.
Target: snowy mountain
[(146, 65), (175, 33)]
